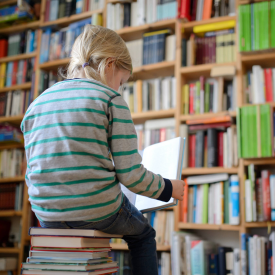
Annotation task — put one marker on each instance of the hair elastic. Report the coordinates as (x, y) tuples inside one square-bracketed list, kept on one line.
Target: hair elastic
[(85, 64)]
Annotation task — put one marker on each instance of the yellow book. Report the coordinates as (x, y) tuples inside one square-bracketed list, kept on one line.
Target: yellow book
[(2, 75), (230, 24)]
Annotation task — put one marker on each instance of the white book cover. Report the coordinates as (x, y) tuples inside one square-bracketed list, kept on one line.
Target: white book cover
[(170, 47), (163, 158), (194, 180), (183, 133), (145, 96), (134, 12), (156, 84), (258, 90), (218, 205), (248, 201), (174, 92), (236, 261)]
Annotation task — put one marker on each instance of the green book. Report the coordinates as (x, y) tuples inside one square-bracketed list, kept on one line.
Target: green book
[(197, 97), (241, 27), (205, 189), (253, 141), (272, 24), (264, 25), (244, 132), (206, 97), (239, 134), (226, 201), (265, 126), (256, 19), (121, 262), (247, 30)]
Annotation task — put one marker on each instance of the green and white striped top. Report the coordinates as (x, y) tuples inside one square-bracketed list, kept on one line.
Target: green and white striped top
[(69, 131)]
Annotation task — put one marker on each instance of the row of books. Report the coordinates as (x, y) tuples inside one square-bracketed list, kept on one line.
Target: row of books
[(17, 72), (154, 131), (153, 48), (193, 255), (139, 13), (211, 199), (259, 195), (20, 43), (148, 95), (209, 95), (86, 252), (211, 147), (257, 26), (15, 103), (11, 163), (11, 196), (259, 85), (255, 137), (9, 133), (58, 45), (214, 47), (257, 254), (8, 265), (61, 8), (47, 79), (192, 10)]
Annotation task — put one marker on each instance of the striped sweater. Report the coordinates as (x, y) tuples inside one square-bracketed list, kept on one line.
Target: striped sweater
[(69, 132)]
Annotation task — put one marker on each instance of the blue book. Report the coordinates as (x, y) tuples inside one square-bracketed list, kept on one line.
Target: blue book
[(47, 45), (194, 203), (244, 253), (31, 43), (234, 200), (79, 6), (213, 264), (54, 10), (9, 74), (153, 214)]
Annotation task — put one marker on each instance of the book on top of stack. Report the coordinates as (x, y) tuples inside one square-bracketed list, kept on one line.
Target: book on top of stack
[(69, 251)]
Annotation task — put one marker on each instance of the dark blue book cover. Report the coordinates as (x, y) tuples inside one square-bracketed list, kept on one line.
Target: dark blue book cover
[(213, 264)]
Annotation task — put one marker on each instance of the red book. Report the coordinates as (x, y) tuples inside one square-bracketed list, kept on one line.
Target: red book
[(3, 47), (192, 151), (47, 9), (268, 85), (14, 73), (207, 8), (192, 87), (266, 194), (184, 9), (213, 49), (185, 203), (194, 10), (162, 135), (25, 68), (220, 149)]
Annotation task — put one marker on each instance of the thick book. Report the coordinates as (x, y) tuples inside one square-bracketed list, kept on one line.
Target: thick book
[(47, 272), (166, 159)]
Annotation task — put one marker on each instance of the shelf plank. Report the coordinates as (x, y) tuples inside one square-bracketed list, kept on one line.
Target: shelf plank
[(155, 70), (24, 86), (227, 227), (207, 115), (259, 224), (19, 28), (263, 58), (212, 170), (66, 21), (17, 57), (141, 117), (260, 161), (14, 145), (9, 250), (10, 213), (8, 2), (12, 119), (188, 26), (193, 72), (123, 246), (54, 64), (14, 179), (132, 33)]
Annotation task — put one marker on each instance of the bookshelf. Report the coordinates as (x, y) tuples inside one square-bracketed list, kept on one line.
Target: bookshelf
[(181, 29)]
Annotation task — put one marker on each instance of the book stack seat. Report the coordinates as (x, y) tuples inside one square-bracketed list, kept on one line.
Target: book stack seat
[(69, 252)]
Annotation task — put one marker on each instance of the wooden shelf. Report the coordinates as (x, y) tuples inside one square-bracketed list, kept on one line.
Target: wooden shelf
[(54, 64), (161, 69), (141, 117), (17, 57), (24, 86), (12, 119), (188, 26), (14, 145), (194, 72), (227, 227), (263, 58), (260, 161), (123, 246), (207, 115), (18, 28), (259, 224), (212, 170), (132, 33), (10, 213), (8, 2), (14, 179), (66, 21), (9, 250)]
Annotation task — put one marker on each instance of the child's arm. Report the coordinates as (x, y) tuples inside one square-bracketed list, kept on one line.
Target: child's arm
[(123, 144)]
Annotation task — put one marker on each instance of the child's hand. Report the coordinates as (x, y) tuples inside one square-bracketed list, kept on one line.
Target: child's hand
[(178, 188)]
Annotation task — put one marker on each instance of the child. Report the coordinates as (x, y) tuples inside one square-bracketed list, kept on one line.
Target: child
[(69, 132)]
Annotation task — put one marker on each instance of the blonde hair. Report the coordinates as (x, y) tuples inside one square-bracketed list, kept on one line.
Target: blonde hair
[(97, 46)]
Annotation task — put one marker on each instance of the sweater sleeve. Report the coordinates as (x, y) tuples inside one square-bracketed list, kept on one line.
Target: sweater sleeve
[(122, 139)]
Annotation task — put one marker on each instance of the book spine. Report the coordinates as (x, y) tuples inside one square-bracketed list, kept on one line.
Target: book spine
[(266, 194), (212, 159), (220, 149), (265, 126), (185, 203), (268, 85), (272, 196), (235, 200), (199, 148), (243, 254)]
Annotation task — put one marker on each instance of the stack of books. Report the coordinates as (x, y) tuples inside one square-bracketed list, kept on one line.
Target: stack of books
[(69, 251)]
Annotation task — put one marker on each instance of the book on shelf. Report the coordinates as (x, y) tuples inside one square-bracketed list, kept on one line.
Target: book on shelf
[(204, 9), (9, 133), (213, 47), (259, 195), (259, 85), (209, 95), (255, 138), (138, 13), (211, 199), (54, 253), (8, 265), (47, 79), (155, 47), (11, 196), (171, 155), (56, 9), (150, 95), (256, 26)]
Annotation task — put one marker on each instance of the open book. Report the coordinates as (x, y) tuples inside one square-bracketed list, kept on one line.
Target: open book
[(166, 159)]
